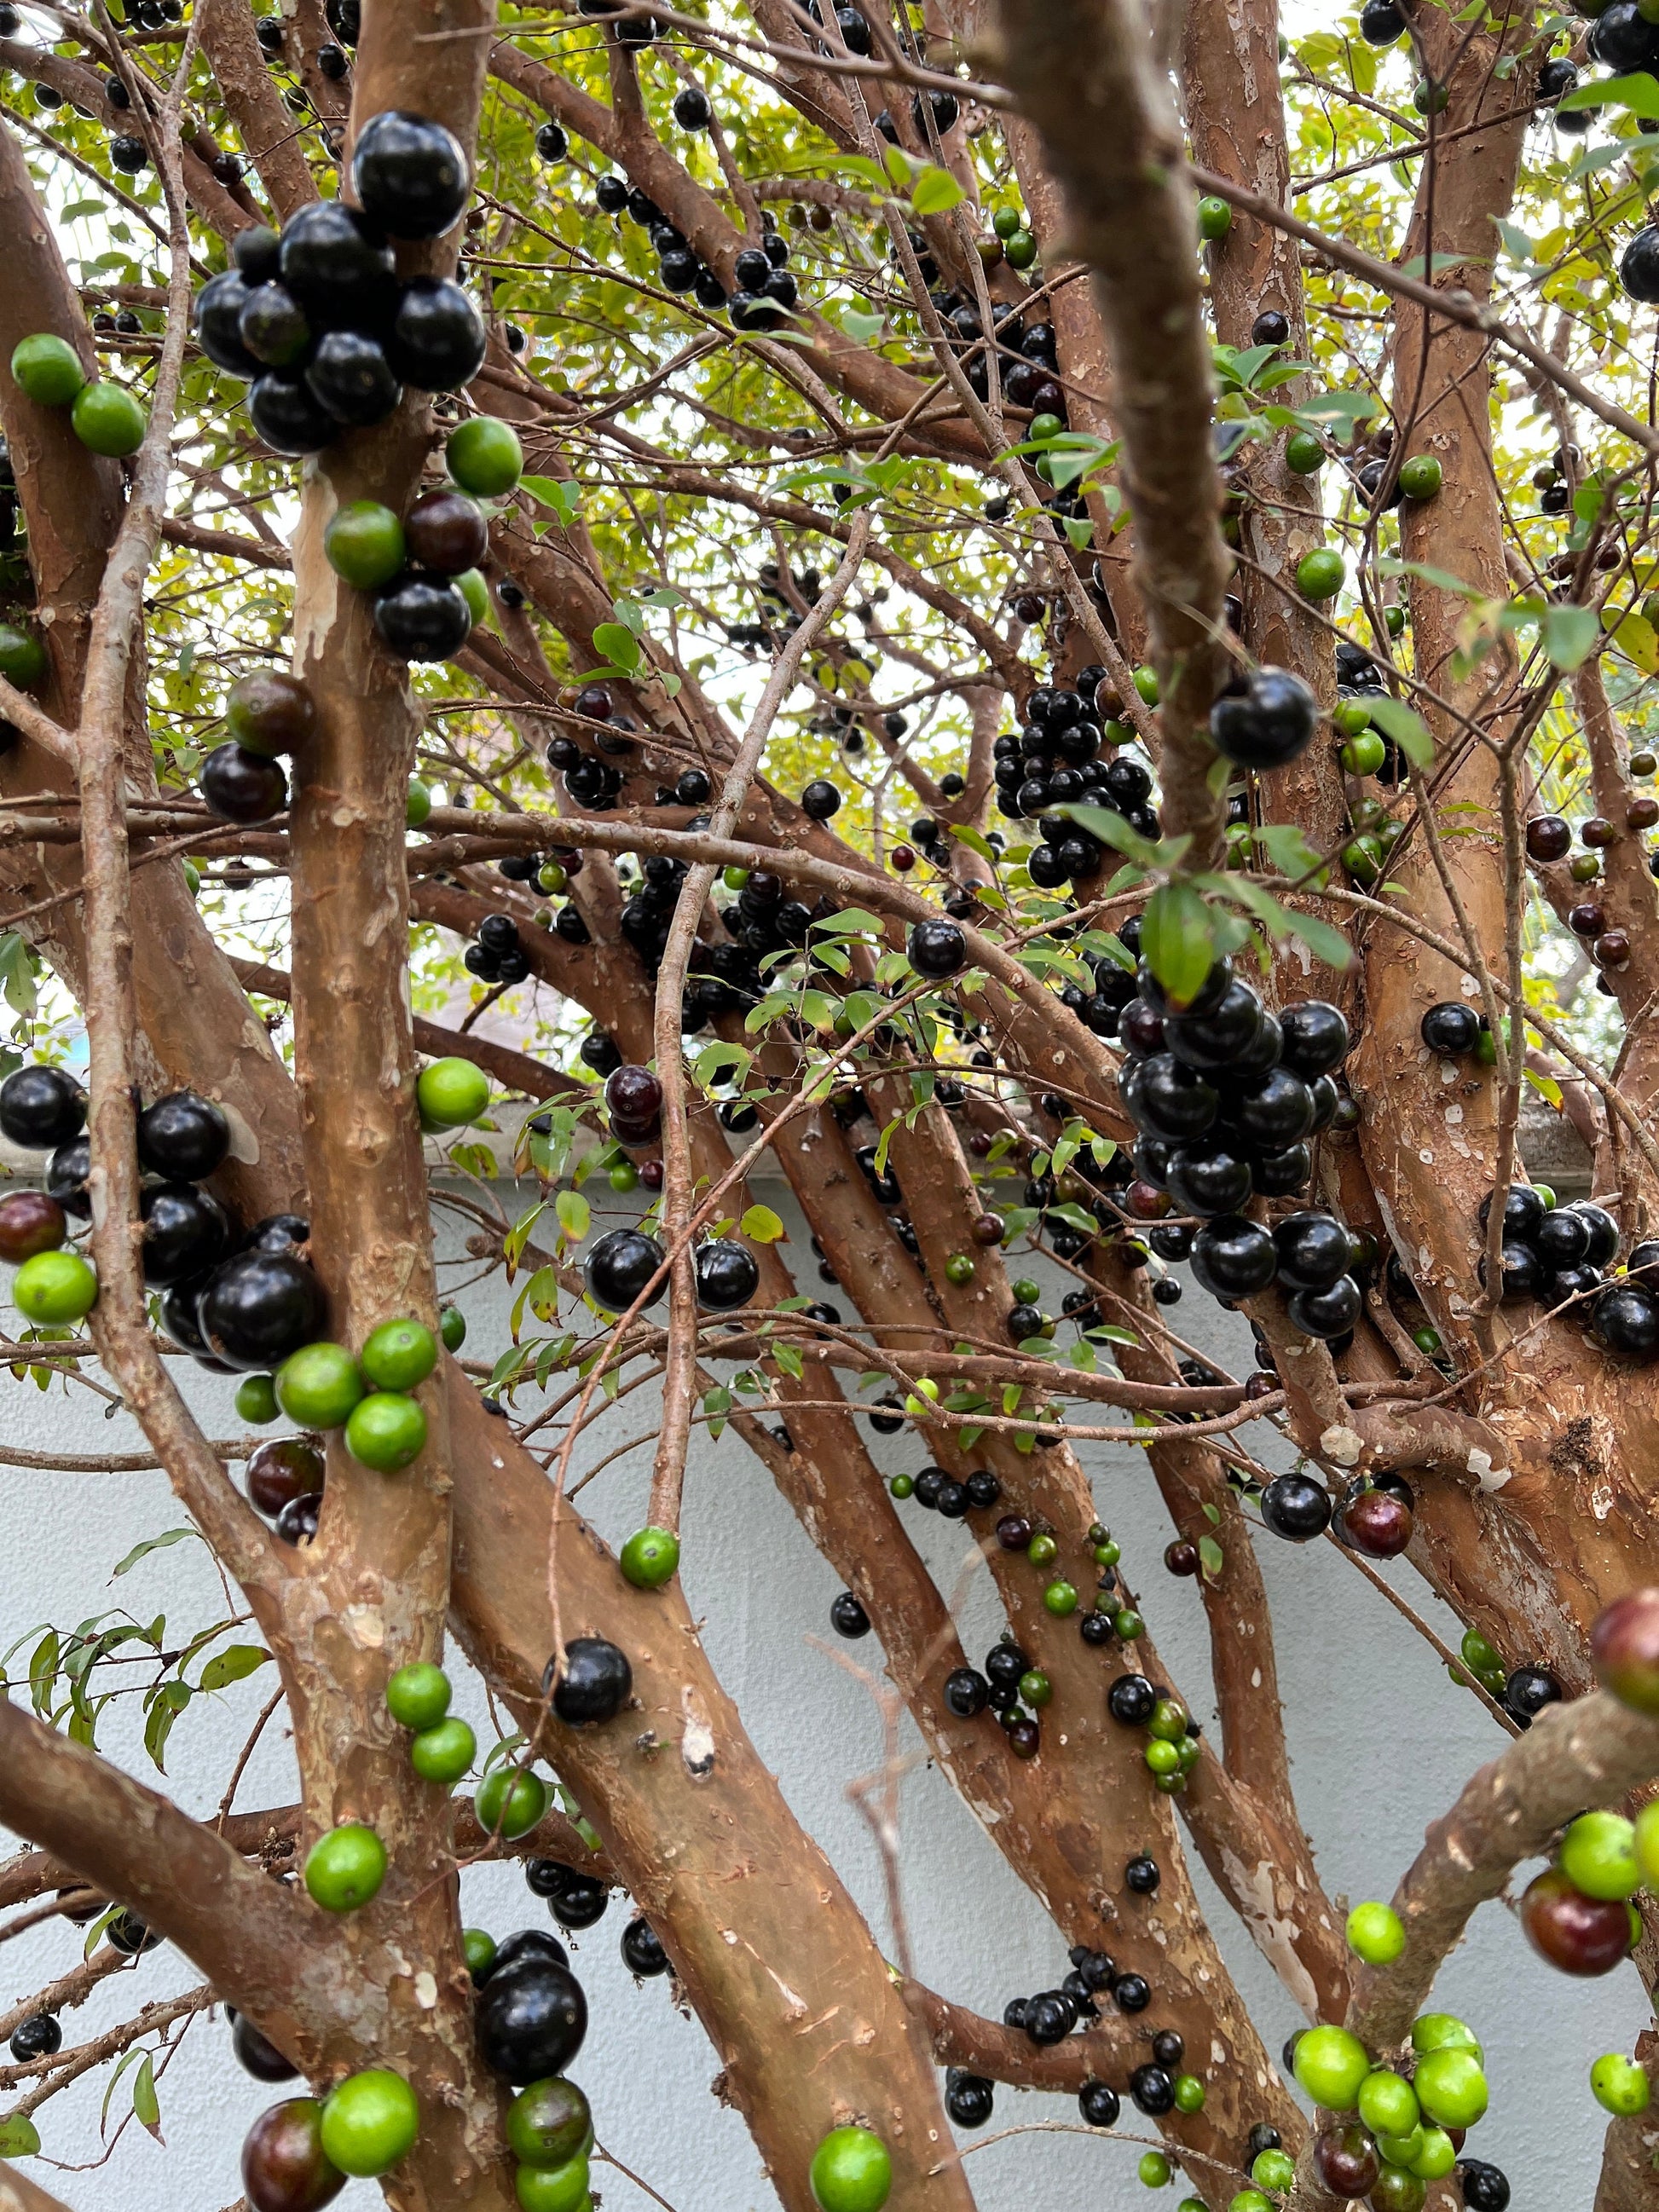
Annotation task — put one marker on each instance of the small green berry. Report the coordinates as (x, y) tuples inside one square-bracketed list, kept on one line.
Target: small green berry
[(1154, 2169), (1041, 1549), (1377, 1935), (1060, 1598)]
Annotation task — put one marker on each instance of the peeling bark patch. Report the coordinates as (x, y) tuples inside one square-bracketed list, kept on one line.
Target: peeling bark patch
[(697, 1742), (1573, 1453)]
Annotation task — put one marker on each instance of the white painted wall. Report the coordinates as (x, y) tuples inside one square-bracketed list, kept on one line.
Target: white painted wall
[(1381, 1741)]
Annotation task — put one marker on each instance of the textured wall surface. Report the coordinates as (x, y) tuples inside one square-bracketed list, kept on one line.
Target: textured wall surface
[(1381, 1741)]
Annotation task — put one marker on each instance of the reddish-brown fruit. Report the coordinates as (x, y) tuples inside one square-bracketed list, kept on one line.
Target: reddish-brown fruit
[(1181, 1558), (446, 531), (1146, 1202), (1642, 813), (1377, 1523), (989, 1229), (1580, 1935), (284, 2165), (1624, 1648), (904, 858), (281, 1470), (1347, 2162), (30, 1222)]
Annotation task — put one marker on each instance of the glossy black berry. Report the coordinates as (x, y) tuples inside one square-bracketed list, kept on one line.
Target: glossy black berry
[(37, 2037), (1131, 1700), (580, 1901), (619, 1266), (727, 1275), (1132, 1993), (938, 949), (820, 799), (423, 617), (594, 1682), (257, 1308), (183, 1136), (437, 338), (848, 1617), (1296, 1507), (1099, 2104), (239, 785), (1152, 2090), (1267, 723), (41, 1108), (256, 2054), (642, 1949), (1142, 1874), (966, 1693), (1527, 1691), (1451, 1028), (532, 2018), (1485, 2188), (186, 1232), (409, 174), (1168, 2050)]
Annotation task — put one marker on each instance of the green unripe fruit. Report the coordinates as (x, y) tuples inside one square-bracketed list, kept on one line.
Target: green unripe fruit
[(256, 1399), (1397, 2190), (959, 1269), (450, 1093), (417, 806), (1045, 426), (385, 1430), (484, 457), (1108, 1553), (452, 1326), (1401, 2150), (510, 1802), (1305, 456), (1429, 98), (903, 1486), (1215, 218), (851, 2172), (1319, 574), (1273, 2170), (364, 544), (1330, 2064), (553, 2188), (370, 2122), (649, 1558), (319, 1385), (1387, 2103), (1421, 476), (1162, 1758), (1041, 1549), (1168, 1720), (1363, 859), (549, 2124), (1026, 1292), (444, 1753), (108, 420), (473, 589), (1437, 2156), (1618, 2084), (1146, 681), (1350, 716), (624, 1177), (1598, 1855), (1127, 1624), (1021, 250), (1377, 1935), (22, 657), (399, 1355), (1153, 2169), (735, 878), (1364, 754), (1394, 621), (53, 1289), (417, 1696), (1250, 2200), (192, 876), (1005, 222), (478, 1948), (1188, 2092), (1442, 2031), (1450, 2087), (345, 1867), (47, 370), (1060, 1598)]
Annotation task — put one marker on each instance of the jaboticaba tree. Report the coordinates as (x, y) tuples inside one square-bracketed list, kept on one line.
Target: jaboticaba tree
[(1045, 636)]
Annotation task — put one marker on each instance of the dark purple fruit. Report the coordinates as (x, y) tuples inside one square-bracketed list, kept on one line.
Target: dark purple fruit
[(1450, 1028), (1216, 1039), (1296, 1507), (1266, 724), (36, 2037), (66, 1177), (421, 618), (284, 2165), (727, 1276), (532, 2019), (287, 417), (1314, 1038), (447, 532), (183, 1136), (1326, 1313), (351, 379), (938, 949), (1314, 1249), (642, 1949), (30, 1222), (257, 1308), (339, 267), (594, 1684), (239, 785), (437, 339), (41, 1108), (186, 1232), (280, 1470), (1627, 1320), (256, 2054), (409, 174), (1232, 1257), (273, 326), (219, 306), (619, 1266)]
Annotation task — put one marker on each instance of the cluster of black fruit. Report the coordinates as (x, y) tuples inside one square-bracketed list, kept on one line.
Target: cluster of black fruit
[(593, 779), (127, 153), (1557, 1253), (999, 1687), (620, 1265), (780, 618), (1226, 1096), (577, 1900), (317, 320), (1054, 760), (234, 1304), (766, 289), (498, 955), (1052, 2014), (532, 2014), (1374, 1514)]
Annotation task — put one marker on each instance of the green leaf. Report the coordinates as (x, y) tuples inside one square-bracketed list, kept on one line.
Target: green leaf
[(1177, 937), (1211, 1559), (564, 499), (19, 2136), (575, 1215), (170, 1700), (1404, 724), (151, 1544), (1638, 92), (1569, 635), (234, 1664), (146, 2108), (789, 1358), (618, 643), (935, 191), (861, 327), (1337, 407), (16, 973), (761, 1225)]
